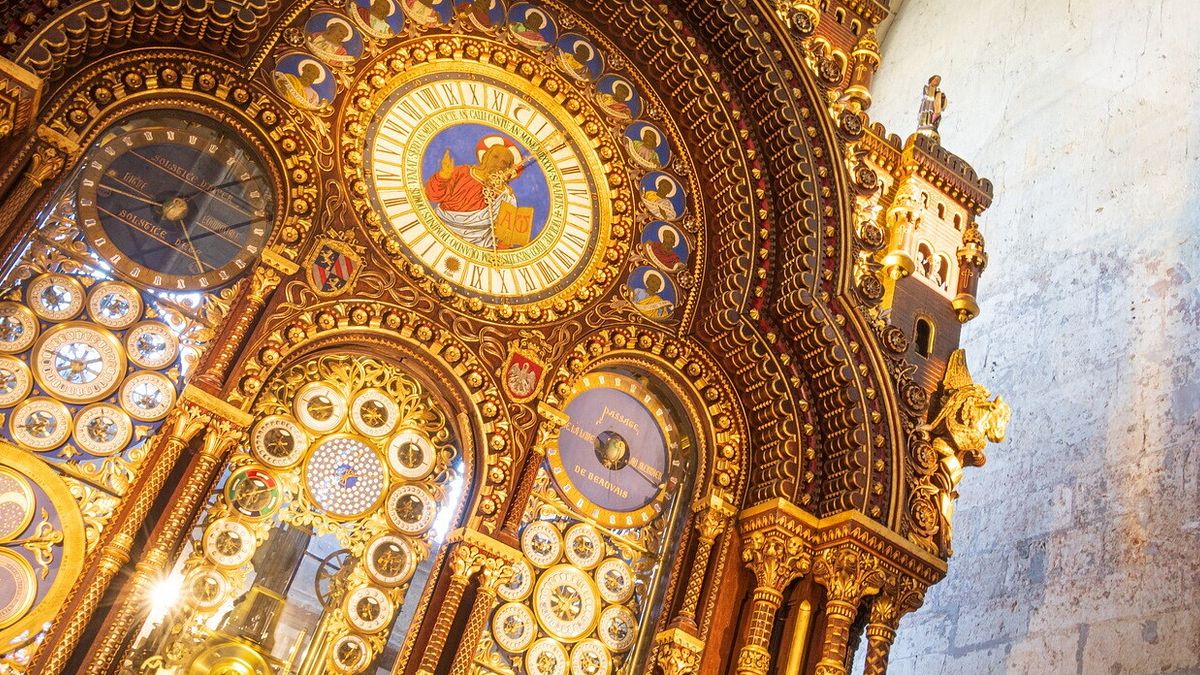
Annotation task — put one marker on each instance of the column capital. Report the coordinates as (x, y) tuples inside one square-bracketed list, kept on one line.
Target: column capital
[(776, 543), (678, 652), (849, 573), (900, 595)]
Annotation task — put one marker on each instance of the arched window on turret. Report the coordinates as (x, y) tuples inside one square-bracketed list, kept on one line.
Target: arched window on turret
[(840, 15), (941, 210), (943, 272), (855, 26), (958, 222), (925, 259), (923, 337)]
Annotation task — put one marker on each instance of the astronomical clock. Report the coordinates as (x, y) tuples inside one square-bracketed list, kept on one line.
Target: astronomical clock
[(473, 337)]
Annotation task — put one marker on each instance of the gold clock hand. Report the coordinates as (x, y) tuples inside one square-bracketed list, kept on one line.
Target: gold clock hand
[(645, 476), (191, 247), (140, 198)]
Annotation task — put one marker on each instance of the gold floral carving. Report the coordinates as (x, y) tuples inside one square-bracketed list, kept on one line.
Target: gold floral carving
[(967, 419), (848, 574), (677, 652)]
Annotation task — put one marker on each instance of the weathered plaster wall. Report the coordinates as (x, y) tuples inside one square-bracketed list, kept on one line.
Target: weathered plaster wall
[(1077, 548)]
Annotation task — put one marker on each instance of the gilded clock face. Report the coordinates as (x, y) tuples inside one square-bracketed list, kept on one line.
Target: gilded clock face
[(18, 327), (411, 455), (487, 182), (590, 657), (278, 441), (147, 396), (345, 477), (253, 492), (513, 627), (618, 628), (102, 429), (368, 609), (228, 543), (617, 458), (547, 657), (115, 304), (566, 602), (56, 297), (15, 381), (320, 407), (78, 362), (16, 503), (411, 510), (178, 203), (18, 587), (390, 560), (40, 423), (151, 344)]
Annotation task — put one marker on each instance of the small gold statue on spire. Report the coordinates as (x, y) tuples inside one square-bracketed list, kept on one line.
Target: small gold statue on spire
[(933, 104)]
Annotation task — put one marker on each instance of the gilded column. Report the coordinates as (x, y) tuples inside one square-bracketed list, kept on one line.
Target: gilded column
[(493, 573), (712, 517), (777, 557), (898, 597), (465, 561), (848, 575), (50, 155), (186, 420), (226, 428), (551, 423)]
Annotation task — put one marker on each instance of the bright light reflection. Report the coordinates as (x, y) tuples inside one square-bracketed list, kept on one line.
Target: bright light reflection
[(441, 525), (164, 595)]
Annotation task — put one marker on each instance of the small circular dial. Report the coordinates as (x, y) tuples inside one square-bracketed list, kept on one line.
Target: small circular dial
[(16, 503), (411, 455), (78, 362), (411, 510), (390, 560), (513, 627), (206, 588), (350, 654), (547, 657), (618, 628), (345, 477), (590, 657), (253, 492), (15, 381), (519, 585), (40, 423), (151, 344), (373, 413), (176, 203), (18, 587), (616, 459), (56, 297), (320, 407), (566, 602), (583, 546), (115, 304), (103, 429), (278, 441), (614, 579), (228, 543), (18, 327), (487, 182), (368, 609), (147, 396), (541, 543)]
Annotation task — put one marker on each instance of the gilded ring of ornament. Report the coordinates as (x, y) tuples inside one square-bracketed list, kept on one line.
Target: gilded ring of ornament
[(17, 317), (40, 439), (510, 615), (542, 543), (14, 373), (101, 340), (43, 283), (121, 428), (71, 525), (25, 501), (123, 291), (160, 385), (260, 443), (575, 579), (169, 345), (585, 129)]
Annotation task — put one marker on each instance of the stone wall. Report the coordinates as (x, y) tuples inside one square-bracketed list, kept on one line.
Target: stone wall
[(1077, 548)]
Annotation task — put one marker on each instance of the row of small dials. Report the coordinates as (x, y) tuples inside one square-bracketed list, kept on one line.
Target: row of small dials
[(343, 475), (571, 600), (82, 363)]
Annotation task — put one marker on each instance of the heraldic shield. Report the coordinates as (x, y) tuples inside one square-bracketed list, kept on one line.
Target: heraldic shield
[(332, 267), (523, 373)]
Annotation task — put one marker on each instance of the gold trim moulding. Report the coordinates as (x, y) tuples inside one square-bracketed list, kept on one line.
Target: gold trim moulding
[(213, 404)]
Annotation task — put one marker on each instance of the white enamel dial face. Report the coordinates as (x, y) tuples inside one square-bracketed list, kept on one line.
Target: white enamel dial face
[(614, 579), (147, 396), (15, 381), (583, 546), (513, 627), (519, 585), (102, 429), (228, 543), (278, 441), (345, 477), (373, 413), (350, 654), (390, 560), (411, 455), (40, 423), (566, 602), (56, 297), (320, 407), (547, 657), (78, 362), (486, 183), (115, 304), (590, 657), (541, 543), (618, 628), (18, 328), (411, 510), (368, 609), (151, 344)]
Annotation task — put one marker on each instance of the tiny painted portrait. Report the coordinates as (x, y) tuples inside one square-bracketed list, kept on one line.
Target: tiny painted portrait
[(304, 81), (653, 293), (532, 26), (483, 13), (618, 98), (665, 245), (379, 18), (647, 145), (663, 196), (481, 185), (579, 57), (331, 37), (428, 12)]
